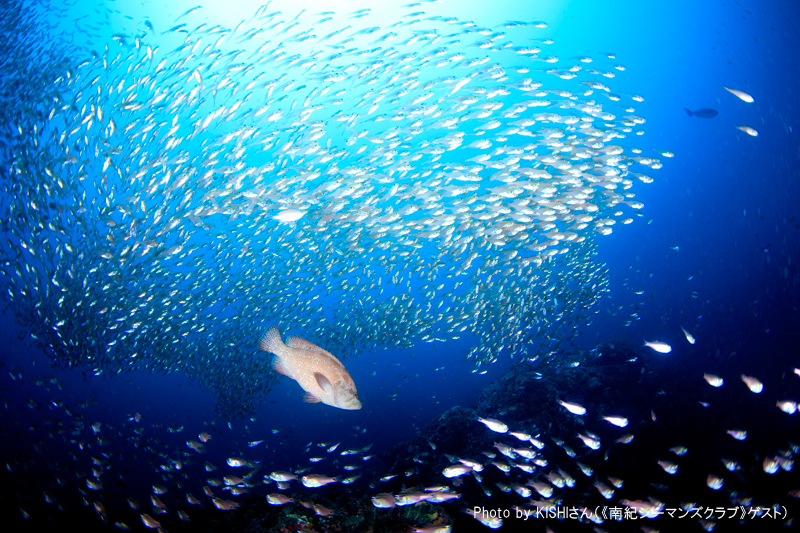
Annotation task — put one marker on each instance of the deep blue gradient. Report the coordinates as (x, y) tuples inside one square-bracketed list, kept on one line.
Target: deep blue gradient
[(715, 249)]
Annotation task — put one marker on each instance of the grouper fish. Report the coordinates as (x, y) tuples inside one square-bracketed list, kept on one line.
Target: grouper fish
[(320, 373)]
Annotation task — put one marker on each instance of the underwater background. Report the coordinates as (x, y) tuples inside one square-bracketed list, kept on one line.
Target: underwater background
[(483, 210)]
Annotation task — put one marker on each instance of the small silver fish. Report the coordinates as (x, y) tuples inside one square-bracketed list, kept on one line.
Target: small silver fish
[(573, 408), (744, 97), (658, 346), (753, 384), (748, 130), (688, 336), (289, 215), (618, 421), (494, 425)]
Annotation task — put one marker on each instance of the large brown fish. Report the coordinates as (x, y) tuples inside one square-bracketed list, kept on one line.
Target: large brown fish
[(321, 375)]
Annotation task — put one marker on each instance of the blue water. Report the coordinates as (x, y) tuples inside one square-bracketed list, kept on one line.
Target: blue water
[(715, 250)]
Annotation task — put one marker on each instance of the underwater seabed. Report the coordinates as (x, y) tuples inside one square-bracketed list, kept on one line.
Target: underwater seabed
[(654, 438)]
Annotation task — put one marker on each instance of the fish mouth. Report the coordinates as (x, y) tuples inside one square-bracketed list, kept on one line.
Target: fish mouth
[(354, 405)]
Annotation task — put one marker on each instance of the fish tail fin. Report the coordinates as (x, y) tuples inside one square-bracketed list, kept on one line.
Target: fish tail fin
[(271, 340), (689, 111)]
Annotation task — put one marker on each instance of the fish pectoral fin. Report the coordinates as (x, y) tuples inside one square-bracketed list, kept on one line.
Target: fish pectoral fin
[(310, 398), (280, 366), (323, 383)]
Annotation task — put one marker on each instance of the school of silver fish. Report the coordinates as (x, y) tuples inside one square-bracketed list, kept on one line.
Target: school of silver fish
[(531, 470), (166, 189), (435, 178)]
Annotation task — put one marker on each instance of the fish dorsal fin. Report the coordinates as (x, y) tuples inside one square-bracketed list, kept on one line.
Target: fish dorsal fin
[(280, 367), (302, 344), (310, 398), (323, 383)]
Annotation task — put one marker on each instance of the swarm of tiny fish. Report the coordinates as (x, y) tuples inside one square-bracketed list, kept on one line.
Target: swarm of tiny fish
[(655, 471), (168, 191)]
